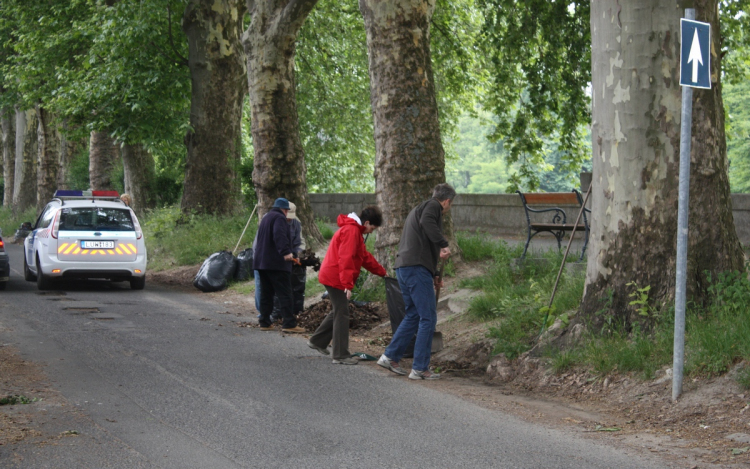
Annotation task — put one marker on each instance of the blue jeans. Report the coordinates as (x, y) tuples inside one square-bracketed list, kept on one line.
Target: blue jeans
[(418, 290)]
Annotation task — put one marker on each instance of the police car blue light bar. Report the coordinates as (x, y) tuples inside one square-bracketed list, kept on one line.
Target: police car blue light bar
[(71, 193), (67, 193)]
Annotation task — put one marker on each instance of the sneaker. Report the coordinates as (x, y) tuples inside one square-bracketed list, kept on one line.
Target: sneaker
[(269, 328), (423, 375), (294, 330), (322, 350), (386, 362), (345, 361)]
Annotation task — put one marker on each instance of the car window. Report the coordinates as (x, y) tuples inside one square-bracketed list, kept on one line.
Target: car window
[(45, 218), (95, 219)]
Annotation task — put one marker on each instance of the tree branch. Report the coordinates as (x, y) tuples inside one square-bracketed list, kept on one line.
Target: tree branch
[(183, 60), (158, 49), (296, 10)]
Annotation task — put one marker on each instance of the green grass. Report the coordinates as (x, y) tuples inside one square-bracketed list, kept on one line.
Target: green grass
[(173, 242), (478, 246), (313, 287), (744, 377), (324, 228), (9, 222), (716, 338)]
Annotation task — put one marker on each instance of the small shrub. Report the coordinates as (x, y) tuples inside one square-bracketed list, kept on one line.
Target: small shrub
[(325, 230)]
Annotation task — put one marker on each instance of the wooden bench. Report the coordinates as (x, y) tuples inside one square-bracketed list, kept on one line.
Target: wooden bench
[(557, 224)]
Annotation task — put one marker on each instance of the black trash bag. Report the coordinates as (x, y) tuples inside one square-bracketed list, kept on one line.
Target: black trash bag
[(299, 277), (244, 270), (23, 230), (215, 272), (397, 310)]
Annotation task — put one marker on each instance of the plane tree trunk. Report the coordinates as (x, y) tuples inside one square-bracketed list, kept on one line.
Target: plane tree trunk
[(217, 69), (103, 155), (139, 168), (636, 153), (24, 182), (8, 122), (48, 157), (279, 168), (410, 159)]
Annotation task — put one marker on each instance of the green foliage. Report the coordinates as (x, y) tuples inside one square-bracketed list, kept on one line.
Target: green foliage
[(640, 296), (516, 299), (14, 399), (9, 222), (540, 53), (716, 337), (313, 287), (480, 246), (325, 229), (735, 39), (719, 336), (620, 351), (173, 240), (367, 289), (737, 108), (333, 87)]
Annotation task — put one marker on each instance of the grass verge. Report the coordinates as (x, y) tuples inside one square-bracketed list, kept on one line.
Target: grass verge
[(173, 241)]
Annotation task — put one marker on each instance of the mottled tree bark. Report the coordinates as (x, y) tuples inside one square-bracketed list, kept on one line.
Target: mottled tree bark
[(69, 148), (24, 182), (139, 168), (48, 157), (279, 168), (218, 72), (636, 145), (410, 159), (103, 155), (9, 155)]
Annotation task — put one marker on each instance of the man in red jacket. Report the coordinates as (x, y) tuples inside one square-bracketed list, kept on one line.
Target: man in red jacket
[(346, 255)]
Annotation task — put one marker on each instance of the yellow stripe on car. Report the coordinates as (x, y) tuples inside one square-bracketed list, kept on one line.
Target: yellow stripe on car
[(118, 251), (61, 248), (125, 249), (76, 251), (132, 247)]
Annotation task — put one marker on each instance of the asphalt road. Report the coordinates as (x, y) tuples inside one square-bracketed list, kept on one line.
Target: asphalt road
[(154, 381)]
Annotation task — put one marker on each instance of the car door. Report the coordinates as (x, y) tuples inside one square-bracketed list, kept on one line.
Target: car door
[(33, 242)]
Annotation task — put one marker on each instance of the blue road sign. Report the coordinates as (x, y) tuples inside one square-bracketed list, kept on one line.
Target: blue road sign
[(695, 60)]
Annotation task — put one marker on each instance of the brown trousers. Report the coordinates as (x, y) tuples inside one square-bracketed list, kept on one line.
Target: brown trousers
[(335, 326)]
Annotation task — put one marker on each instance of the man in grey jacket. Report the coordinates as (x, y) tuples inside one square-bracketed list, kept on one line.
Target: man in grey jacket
[(422, 244)]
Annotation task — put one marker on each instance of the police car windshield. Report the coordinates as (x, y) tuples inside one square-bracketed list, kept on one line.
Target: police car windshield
[(95, 219)]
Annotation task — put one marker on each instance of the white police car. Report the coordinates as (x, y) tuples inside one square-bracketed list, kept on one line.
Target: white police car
[(85, 234)]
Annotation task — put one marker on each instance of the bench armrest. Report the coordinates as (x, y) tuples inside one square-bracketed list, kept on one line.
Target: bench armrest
[(558, 217)]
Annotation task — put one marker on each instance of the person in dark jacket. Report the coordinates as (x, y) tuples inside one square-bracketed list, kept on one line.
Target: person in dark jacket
[(273, 261), (346, 255), (422, 244)]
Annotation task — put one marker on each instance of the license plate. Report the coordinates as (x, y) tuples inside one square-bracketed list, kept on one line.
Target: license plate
[(97, 244)]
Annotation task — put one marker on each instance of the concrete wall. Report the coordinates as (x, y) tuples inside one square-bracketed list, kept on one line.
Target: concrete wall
[(499, 214)]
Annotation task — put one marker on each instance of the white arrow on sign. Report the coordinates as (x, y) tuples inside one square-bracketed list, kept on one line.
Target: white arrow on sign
[(695, 55)]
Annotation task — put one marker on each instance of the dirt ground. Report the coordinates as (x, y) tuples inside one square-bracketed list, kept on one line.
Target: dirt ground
[(709, 426)]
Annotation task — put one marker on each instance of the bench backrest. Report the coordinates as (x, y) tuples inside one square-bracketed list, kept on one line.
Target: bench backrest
[(550, 198)]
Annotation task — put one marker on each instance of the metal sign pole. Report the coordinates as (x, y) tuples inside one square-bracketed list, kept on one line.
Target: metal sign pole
[(682, 233)]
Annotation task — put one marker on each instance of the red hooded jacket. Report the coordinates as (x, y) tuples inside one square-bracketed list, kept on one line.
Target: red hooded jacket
[(346, 256)]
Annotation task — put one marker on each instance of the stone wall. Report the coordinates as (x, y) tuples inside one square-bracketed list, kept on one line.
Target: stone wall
[(498, 214)]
